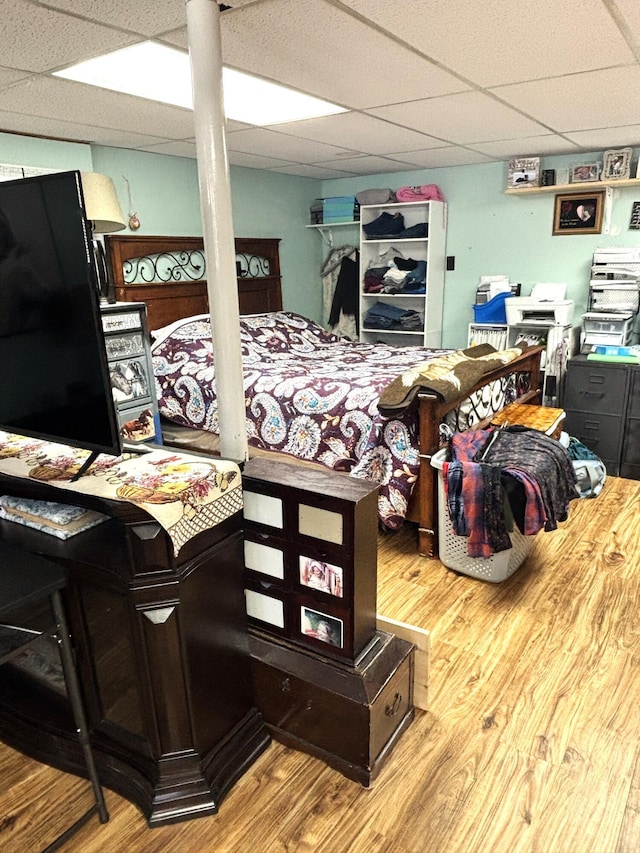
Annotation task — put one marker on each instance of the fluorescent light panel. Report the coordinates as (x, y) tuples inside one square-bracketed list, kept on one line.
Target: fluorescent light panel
[(160, 73)]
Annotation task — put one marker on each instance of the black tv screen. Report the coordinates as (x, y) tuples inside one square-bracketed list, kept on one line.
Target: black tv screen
[(54, 381)]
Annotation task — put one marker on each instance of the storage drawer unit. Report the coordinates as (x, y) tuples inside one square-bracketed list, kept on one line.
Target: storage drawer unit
[(310, 556), (131, 370), (600, 401), (630, 466)]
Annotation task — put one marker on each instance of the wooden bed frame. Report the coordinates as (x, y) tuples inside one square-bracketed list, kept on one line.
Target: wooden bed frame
[(168, 274), (169, 298)]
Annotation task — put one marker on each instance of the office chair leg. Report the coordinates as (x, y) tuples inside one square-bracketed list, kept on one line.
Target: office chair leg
[(75, 698)]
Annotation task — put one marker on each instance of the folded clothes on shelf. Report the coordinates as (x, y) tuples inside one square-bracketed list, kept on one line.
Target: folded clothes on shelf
[(383, 315)]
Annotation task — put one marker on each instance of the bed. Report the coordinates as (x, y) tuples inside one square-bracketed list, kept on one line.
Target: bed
[(311, 396)]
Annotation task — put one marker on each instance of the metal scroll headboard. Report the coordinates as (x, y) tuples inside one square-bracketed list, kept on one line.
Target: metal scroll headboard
[(187, 265)]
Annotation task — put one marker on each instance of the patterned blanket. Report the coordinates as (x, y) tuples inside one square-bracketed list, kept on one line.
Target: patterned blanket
[(308, 393)]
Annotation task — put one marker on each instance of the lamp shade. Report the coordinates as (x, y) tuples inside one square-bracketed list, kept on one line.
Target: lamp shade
[(101, 203)]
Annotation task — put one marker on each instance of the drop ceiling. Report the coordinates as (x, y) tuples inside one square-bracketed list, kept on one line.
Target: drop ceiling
[(427, 83)]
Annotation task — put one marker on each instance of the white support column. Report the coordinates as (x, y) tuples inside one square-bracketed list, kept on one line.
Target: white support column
[(205, 51)]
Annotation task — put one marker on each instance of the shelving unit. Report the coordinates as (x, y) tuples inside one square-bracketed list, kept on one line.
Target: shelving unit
[(326, 229), (430, 249), (577, 187)]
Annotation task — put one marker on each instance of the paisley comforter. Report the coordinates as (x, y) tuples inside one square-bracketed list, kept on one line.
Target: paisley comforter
[(308, 393)]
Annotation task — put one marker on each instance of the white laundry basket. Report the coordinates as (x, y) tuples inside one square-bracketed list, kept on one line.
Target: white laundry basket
[(453, 548)]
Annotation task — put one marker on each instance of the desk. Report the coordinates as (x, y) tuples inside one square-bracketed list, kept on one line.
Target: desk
[(162, 642)]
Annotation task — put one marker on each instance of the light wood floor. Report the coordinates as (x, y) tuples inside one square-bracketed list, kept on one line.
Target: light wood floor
[(531, 742)]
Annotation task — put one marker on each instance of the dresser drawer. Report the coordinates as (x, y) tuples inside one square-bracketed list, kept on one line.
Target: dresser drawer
[(594, 388), (348, 716), (600, 433)]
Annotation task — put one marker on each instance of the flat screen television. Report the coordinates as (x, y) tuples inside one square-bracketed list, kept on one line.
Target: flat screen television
[(54, 380)]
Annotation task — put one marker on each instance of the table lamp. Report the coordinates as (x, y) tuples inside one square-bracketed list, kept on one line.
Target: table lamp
[(105, 216)]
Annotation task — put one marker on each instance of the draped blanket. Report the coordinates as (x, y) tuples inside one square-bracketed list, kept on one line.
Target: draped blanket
[(449, 376), (308, 393)]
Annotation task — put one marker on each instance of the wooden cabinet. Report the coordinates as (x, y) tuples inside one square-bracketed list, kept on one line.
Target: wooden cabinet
[(414, 303), (131, 370), (603, 411), (349, 717), (311, 556), (325, 681), (163, 647)]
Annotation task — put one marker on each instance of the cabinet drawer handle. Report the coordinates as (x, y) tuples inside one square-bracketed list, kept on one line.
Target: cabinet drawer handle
[(392, 709), (597, 394)]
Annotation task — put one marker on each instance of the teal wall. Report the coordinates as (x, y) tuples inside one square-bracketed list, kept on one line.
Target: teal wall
[(165, 195), (489, 233)]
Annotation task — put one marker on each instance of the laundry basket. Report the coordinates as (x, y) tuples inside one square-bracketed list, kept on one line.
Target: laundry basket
[(453, 548)]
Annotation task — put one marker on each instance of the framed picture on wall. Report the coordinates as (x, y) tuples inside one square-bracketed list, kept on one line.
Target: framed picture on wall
[(579, 213)]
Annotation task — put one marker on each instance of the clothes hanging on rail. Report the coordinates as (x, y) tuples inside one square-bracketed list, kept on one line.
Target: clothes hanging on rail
[(339, 274)]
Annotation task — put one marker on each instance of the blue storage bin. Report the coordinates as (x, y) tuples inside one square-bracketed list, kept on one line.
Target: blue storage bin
[(493, 311)]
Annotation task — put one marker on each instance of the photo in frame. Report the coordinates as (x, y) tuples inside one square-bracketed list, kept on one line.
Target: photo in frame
[(321, 626), (321, 576), (616, 165), (585, 173), (523, 172), (578, 213)]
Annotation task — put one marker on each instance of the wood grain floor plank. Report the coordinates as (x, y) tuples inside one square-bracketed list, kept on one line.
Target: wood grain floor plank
[(530, 744)]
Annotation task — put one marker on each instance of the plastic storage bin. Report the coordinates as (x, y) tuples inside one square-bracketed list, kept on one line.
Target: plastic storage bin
[(493, 311), (453, 548)]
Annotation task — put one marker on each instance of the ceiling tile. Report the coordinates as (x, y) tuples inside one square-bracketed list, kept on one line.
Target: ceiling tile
[(450, 156), (532, 146), (606, 137), (147, 17), (177, 148), (580, 101), (51, 39), (467, 117), (317, 172), (368, 165), (502, 41), (60, 129), (51, 98), (361, 132), (323, 51), (261, 141), (256, 161)]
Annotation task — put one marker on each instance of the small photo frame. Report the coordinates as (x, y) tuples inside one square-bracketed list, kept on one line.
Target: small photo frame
[(616, 165), (321, 576), (129, 380), (585, 172), (578, 213), (523, 172), (319, 626)]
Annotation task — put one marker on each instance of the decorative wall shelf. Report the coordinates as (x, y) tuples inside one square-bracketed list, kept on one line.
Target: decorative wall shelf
[(326, 229), (577, 187)]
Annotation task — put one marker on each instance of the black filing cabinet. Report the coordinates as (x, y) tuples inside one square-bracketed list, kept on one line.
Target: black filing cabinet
[(630, 465), (603, 411)]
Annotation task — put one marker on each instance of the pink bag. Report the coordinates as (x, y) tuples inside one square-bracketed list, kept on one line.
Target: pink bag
[(427, 192)]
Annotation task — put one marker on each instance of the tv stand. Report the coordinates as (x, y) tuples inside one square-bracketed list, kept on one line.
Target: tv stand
[(91, 458), (163, 646)]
